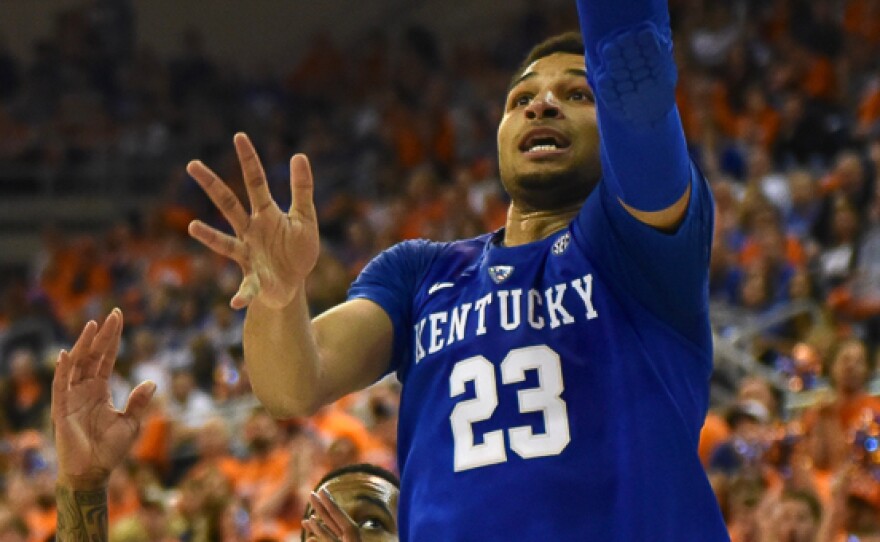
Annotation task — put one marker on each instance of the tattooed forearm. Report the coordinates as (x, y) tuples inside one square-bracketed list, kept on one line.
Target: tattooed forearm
[(82, 515)]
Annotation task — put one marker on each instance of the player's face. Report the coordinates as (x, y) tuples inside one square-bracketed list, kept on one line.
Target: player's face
[(370, 501), (548, 141)]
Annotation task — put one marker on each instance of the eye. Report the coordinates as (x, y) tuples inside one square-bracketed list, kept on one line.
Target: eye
[(522, 100), (372, 523), (581, 95)]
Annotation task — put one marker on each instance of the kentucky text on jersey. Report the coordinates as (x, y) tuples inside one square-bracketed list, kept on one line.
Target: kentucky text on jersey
[(559, 305)]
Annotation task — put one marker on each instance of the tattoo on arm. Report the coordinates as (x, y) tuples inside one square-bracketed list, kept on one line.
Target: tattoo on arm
[(82, 515)]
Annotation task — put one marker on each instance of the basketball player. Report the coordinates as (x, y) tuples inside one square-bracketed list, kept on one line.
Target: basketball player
[(555, 372), (355, 503)]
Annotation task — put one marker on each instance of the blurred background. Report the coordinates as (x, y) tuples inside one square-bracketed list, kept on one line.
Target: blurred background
[(396, 102)]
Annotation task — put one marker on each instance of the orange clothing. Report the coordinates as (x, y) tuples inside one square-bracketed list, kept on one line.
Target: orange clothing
[(794, 252), (228, 466), (27, 393), (124, 505), (822, 482), (256, 473), (849, 412), (861, 20), (417, 221), (820, 81), (41, 523), (714, 432), (175, 269), (71, 281), (869, 108), (332, 423), (152, 445)]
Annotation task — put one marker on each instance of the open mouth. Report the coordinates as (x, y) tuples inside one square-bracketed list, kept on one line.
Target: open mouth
[(544, 140)]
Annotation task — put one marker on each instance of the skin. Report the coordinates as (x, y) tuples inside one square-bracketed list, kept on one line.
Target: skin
[(850, 369), (91, 436), (354, 507)]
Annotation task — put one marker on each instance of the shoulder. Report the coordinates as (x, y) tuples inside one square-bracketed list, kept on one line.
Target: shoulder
[(403, 268)]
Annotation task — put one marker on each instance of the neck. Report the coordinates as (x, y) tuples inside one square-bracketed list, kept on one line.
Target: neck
[(527, 226)]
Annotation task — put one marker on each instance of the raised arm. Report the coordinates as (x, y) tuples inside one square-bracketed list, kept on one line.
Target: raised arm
[(295, 365), (630, 66), (92, 437)]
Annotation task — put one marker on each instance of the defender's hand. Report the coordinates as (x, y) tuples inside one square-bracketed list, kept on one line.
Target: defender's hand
[(91, 436), (275, 250), (329, 522)]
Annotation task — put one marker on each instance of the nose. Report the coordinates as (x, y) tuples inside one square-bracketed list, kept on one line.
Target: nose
[(544, 107)]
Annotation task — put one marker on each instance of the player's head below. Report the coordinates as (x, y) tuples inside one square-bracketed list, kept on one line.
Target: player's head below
[(548, 140), (369, 495)]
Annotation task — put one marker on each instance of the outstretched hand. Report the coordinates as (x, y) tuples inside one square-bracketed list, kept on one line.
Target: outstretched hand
[(91, 436), (275, 250)]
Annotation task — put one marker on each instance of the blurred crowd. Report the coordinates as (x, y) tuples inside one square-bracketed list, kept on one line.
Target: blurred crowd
[(781, 105)]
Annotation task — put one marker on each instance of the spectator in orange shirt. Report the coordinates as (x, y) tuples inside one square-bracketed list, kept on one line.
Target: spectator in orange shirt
[(828, 424)]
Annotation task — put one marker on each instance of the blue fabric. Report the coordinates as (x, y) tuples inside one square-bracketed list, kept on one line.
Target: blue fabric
[(632, 72), (634, 362)]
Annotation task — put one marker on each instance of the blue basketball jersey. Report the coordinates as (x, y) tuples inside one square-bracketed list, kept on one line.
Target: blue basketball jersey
[(554, 390)]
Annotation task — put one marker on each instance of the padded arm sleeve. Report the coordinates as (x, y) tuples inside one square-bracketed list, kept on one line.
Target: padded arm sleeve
[(632, 71)]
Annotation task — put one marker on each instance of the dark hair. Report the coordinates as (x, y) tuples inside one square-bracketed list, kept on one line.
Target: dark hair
[(568, 42), (807, 498), (365, 468)]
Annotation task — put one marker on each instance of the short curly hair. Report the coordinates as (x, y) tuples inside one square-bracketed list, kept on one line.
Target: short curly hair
[(568, 42)]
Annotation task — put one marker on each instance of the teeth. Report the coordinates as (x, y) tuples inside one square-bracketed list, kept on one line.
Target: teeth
[(537, 148)]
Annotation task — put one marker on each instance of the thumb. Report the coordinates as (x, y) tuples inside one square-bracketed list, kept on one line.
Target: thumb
[(139, 400), (247, 291)]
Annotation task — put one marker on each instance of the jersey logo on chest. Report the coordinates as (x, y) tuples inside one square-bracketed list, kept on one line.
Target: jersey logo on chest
[(561, 244), (500, 273)]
